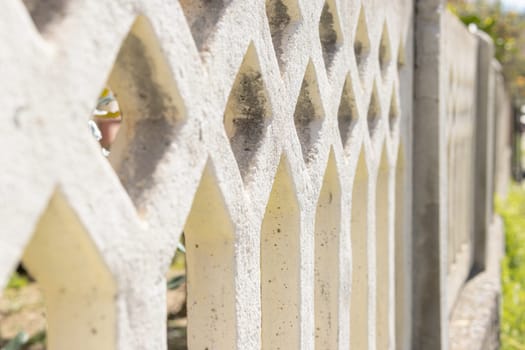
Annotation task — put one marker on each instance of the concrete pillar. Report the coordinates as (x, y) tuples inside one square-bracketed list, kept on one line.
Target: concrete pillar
[(429, 329), (484, 148)]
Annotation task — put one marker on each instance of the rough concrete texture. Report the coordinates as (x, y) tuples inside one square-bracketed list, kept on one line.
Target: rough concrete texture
[(502, 129), (446, 89), (429, 201), (460, 90), (278, 135), (484, 185), (226, 137), (453, 150), (474, 323)]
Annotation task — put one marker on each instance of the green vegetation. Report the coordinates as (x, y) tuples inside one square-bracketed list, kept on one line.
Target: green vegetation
[(513, 270), (17, 281), (22, 341), (505, 29)]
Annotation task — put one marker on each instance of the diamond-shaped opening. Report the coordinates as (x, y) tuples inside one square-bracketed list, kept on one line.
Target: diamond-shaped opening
[(394, 113), (374, 112), (361, 43), (283, 18), (330, 32), (202, 17), (401, 56), (247, 111), (385, 51), (48, 288), (201, 277), (327, 235), (47, 15), (347, 114), (359, 316), (281, 264), (309, 114), (149, 107)]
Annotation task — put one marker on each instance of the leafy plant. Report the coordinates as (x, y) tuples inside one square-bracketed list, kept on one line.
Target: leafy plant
[(513, 270), (176, 282), (22, 341), (17, 342), (17, 281)]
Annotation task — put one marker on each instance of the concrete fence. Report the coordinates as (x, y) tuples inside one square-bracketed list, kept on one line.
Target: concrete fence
[(332, 165)]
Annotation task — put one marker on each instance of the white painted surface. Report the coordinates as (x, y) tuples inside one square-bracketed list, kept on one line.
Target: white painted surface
[(227, 137)]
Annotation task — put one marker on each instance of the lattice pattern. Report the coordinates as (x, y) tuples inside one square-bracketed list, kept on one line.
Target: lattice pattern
[(256, 127)]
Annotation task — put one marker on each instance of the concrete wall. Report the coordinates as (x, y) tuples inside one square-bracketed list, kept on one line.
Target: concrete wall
[(457, 239), (502, 131), (316, 154)]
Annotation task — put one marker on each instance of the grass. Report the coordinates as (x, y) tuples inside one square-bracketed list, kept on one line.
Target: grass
[(513, 270), (22, 310), (17, 281)]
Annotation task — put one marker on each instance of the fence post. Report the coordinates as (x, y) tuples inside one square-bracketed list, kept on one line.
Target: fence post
[(484, 145), (429, 178)]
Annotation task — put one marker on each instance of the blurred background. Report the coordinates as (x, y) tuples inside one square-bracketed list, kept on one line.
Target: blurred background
[(504, 21)]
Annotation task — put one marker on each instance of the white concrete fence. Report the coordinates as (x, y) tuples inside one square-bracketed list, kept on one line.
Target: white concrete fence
[(323, 158)]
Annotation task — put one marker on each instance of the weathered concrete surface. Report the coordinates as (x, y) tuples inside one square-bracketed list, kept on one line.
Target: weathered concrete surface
[(474, 323), (484, 161), (503, 115), (231, 113), (278, 135), (475, 320), (429, 203), (444, 122)]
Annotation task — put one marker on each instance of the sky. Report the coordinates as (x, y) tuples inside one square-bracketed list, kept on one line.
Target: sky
[(516, 5)]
